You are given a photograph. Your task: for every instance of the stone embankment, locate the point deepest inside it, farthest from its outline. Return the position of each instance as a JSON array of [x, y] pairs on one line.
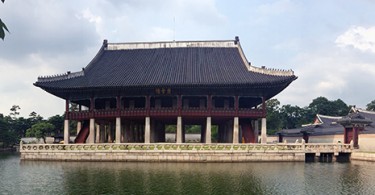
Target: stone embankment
[[363, 155]]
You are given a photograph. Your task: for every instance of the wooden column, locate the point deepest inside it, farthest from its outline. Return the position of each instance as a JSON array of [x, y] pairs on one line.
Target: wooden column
[[179, 104], [236, 104], [92, 104]]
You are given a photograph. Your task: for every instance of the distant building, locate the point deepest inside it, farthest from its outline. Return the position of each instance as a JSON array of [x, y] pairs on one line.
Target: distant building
[[328, 128], [129, 92]]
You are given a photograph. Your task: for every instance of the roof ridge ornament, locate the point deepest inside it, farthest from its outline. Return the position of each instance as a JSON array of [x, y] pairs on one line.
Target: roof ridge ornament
[[270, 71], [263, 69], [58, 77]]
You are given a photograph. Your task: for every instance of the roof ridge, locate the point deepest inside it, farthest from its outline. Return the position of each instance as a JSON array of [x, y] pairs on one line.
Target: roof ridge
[[365, 111], [171, 44], [330, 117]]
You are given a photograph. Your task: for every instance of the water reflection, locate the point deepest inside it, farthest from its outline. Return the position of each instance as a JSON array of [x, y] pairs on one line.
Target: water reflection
[[42, 177], [161, 178]]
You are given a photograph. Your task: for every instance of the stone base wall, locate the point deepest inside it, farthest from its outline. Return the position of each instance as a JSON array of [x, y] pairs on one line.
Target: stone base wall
[[366, 142], [366, 156], [157, 156]]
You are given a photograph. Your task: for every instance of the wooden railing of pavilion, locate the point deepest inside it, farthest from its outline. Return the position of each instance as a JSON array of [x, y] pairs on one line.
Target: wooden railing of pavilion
[[165, 112]]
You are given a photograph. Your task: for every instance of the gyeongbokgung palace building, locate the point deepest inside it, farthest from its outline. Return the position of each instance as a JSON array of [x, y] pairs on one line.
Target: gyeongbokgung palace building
[[130, 92]]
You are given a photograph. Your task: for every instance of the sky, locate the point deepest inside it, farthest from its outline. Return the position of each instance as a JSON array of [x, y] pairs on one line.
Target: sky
[[330, 45]]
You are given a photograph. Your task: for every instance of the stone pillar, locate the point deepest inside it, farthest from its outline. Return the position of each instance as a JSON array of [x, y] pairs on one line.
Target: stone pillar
[[79, 126], [92, 131], [208, 130], [179, 130], [235, 130], [118, 130], [147, 130], [102, 133], [264, 131], [109, 132], [256, 130], [66, 132], [97, 135]]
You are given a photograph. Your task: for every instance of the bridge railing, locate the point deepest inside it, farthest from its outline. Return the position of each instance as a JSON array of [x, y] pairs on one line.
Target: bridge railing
[[187, 147]]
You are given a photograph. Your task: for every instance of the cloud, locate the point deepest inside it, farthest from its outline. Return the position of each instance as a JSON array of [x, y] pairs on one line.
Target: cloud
[[332, 73], [358, 37]]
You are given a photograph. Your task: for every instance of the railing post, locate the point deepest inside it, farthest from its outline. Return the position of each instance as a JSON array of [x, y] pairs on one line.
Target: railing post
[[303, 145]]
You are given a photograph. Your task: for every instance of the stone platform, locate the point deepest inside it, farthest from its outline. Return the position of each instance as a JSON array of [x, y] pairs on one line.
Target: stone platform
[[164, 152]]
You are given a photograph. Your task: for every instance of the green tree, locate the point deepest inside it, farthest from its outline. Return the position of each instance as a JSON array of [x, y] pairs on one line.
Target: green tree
[[40, 130], [371, 106], [58, 122], [14, 111], [274, 122], [19, 126], [294, 116], [35, 118], [322, 105], [3, 27], [7, 136], [340, 108]]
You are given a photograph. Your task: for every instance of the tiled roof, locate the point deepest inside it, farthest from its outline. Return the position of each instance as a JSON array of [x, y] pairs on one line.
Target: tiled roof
[[174, 64], [329, 125]]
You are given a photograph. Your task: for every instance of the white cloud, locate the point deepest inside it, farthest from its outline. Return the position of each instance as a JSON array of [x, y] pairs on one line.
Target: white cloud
[[331, 73], [358, 37], [87, 14]]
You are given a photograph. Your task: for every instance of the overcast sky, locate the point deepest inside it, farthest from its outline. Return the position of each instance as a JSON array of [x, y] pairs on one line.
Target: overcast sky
[[330, 45]]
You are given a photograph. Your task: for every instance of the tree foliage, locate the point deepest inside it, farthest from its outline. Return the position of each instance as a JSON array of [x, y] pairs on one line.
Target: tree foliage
[[40, 130], [58, 122], [274, 122], [3, 27], [13, 128], [289, 117], [371, 106], [322, 105]]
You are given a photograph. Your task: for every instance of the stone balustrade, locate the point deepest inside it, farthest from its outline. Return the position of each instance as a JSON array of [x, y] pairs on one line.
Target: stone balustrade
[[171, 152]]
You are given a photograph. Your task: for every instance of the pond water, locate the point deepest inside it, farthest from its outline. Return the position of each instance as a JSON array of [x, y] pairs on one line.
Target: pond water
[[46, 177]]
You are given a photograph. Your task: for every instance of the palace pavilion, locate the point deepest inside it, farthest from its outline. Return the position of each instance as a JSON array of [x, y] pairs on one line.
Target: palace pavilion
[[130, 92]]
